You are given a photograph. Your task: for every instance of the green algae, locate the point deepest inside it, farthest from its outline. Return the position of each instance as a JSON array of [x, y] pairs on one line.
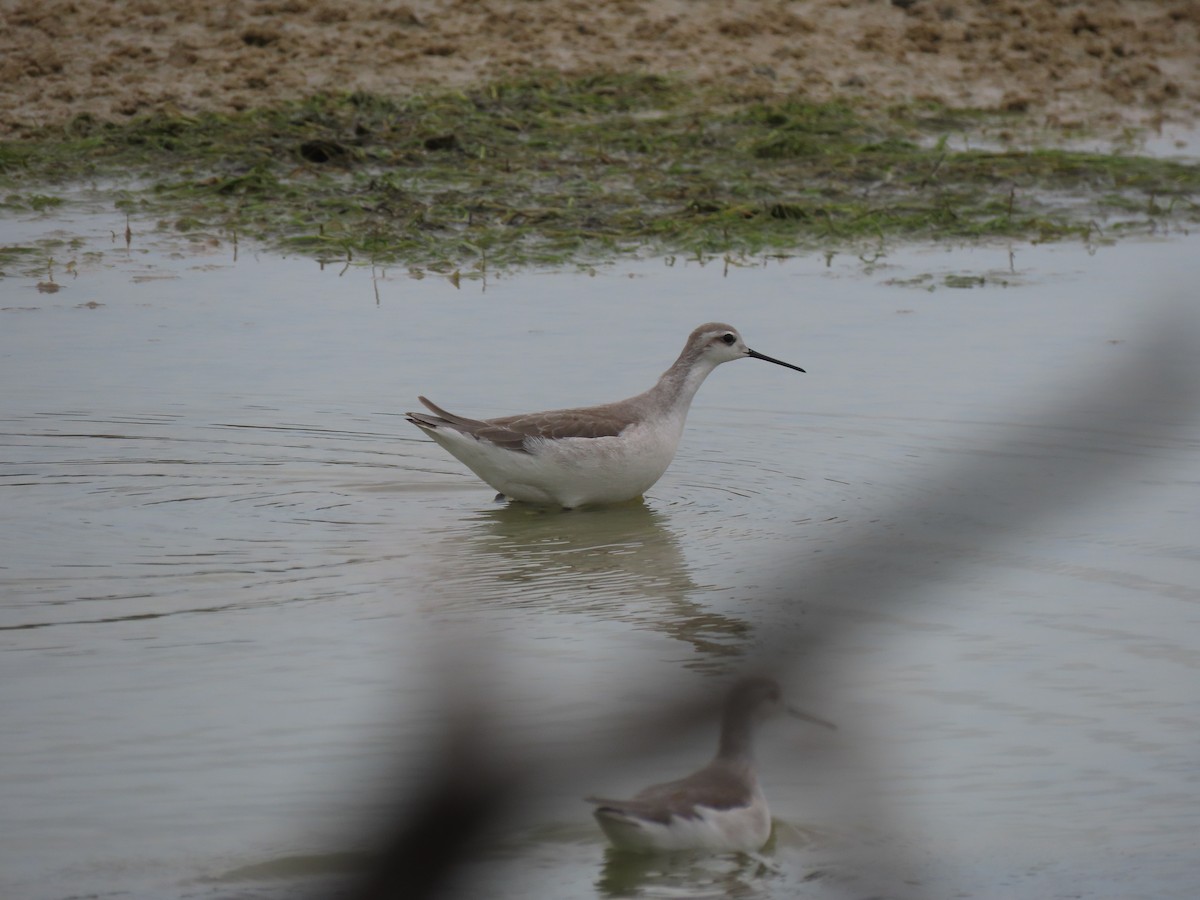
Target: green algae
[[553, 170]]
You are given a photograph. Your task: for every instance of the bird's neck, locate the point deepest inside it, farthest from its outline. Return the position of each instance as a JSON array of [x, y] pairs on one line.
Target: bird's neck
[[678, 385], [737, 739]]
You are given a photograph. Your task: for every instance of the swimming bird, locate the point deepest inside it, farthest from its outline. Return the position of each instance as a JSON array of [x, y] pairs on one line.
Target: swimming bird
[[590, 454], [720, 808]]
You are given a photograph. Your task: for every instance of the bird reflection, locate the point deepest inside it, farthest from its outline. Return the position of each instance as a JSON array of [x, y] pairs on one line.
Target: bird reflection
[[622, 563], [626, 874]]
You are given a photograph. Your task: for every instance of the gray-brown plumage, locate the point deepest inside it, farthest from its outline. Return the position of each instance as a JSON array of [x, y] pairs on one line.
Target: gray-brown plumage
[[511, 432]]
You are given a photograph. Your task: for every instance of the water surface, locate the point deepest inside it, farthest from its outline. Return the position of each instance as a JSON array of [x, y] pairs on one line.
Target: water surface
[[235, 581]]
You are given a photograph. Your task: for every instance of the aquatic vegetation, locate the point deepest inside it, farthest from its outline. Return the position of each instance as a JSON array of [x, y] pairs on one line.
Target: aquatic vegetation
[[551, 170]]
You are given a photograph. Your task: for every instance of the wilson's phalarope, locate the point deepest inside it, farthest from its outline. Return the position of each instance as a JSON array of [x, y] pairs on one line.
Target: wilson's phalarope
[[720, 808], [592, 454]]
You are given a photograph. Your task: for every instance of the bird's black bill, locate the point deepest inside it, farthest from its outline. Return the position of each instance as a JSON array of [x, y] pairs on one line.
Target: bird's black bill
[[809, 717], [778, 362]]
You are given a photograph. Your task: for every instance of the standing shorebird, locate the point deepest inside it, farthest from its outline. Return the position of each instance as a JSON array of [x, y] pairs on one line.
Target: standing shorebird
[[590, 454], [720, 808]]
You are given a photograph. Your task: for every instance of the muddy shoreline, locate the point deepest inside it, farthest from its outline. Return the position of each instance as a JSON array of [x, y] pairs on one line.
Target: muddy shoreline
[[1093, 65]]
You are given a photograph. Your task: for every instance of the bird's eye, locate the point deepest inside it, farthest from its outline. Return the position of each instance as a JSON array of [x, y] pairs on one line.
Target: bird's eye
[[728, 338]]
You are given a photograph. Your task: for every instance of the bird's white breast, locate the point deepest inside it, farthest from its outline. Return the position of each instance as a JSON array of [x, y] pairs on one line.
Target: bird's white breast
[[744, 829], [578, 471]]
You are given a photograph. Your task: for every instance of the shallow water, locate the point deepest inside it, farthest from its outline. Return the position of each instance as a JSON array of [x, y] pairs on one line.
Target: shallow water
[[235, 580]]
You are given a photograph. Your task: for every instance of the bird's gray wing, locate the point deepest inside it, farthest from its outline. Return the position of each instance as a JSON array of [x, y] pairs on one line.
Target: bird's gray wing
[[661, 802], [511, 432]]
